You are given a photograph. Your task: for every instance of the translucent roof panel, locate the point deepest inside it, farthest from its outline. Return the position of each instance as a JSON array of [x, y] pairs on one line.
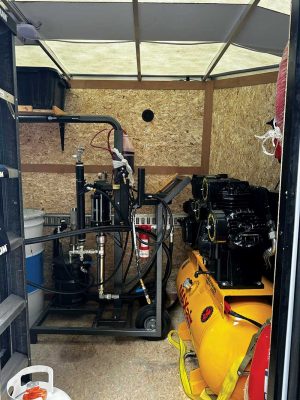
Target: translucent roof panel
[[282, 6], [174, 59], [100, 58], [194, 59], [178, 37], [158, 22], [236, 59], [32, 56], [276, 5]]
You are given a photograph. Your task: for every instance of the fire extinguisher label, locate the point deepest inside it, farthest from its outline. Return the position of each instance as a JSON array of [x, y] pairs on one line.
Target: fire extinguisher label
[[144, 250], [144, 253]]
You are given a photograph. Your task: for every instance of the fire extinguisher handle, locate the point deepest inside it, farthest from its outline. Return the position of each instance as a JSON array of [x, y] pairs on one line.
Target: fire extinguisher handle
[[16, 384]]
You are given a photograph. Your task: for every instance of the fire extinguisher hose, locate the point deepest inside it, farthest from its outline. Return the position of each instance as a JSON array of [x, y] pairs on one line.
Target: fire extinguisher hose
[[229, 382]]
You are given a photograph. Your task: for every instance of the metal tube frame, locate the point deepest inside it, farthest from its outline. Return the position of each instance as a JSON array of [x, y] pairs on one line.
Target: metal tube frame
[[119, 197]]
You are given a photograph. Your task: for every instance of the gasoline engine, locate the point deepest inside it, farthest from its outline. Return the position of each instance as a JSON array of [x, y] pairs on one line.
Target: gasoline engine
[[226, 298]]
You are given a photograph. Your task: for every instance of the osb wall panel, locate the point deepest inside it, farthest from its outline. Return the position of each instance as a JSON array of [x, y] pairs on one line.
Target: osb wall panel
[[173, 138], [55, 193], [238, 115]]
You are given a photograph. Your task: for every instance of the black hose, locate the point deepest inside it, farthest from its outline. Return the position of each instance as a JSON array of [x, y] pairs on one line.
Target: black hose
[[170, 260], [50, 290], [146, 268], [237, 315], [46, 238], [168, 210], [130, 259]]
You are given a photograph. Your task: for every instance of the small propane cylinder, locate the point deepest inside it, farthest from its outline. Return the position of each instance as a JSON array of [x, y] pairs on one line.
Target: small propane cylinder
[[34, 390]]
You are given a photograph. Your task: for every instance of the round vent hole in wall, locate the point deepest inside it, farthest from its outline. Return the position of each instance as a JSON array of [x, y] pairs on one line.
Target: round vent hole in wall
[[148, 115]]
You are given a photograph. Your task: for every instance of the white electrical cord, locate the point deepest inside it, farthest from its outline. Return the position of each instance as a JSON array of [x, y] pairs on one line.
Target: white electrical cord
[[122, 162], [271, 134]]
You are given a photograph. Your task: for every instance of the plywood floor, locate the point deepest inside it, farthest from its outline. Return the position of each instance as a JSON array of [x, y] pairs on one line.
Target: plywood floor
[[104, 368]]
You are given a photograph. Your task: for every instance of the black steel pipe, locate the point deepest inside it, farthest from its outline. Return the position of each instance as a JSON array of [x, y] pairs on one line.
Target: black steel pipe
[[75, 119], [141, 187], [80, 199]]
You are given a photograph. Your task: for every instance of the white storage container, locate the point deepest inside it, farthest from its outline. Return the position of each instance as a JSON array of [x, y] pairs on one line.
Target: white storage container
[[33, 226]]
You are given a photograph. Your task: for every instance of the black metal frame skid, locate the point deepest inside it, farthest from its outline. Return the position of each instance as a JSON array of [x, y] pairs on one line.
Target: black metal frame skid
[[115, 326]]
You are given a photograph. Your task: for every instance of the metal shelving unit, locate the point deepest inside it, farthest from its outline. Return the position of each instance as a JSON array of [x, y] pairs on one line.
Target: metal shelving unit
[[14, 338]]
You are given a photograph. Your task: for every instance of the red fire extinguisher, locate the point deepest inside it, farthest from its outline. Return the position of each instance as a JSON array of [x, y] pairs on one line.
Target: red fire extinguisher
[[144, 250]]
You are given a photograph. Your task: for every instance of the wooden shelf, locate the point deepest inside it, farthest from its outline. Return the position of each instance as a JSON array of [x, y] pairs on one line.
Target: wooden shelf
[[29, 110]]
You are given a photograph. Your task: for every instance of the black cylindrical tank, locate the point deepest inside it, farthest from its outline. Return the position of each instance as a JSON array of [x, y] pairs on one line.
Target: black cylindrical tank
[[69, 277]]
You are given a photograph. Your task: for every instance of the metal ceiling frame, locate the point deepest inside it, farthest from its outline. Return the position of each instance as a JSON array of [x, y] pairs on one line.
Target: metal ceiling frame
[[180, 77], [135, 6], [236, 28], [20, 17]]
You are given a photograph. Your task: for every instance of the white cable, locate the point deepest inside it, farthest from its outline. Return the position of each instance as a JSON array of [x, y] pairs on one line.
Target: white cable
[[122, 162], [272, 134]]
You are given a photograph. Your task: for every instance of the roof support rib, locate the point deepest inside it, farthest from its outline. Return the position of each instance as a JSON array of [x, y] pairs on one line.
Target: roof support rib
[[231, 35], [135, 6], [54, 58], [20, 17]]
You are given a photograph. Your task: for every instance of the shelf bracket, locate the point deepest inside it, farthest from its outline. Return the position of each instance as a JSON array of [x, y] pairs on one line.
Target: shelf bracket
[[62, 128]]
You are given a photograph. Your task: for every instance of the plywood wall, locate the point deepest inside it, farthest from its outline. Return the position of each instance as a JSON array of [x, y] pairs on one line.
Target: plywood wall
[[238, 115], [173, 139]]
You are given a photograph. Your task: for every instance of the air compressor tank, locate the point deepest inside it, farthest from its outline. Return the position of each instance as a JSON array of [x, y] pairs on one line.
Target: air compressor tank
[[218, 339]]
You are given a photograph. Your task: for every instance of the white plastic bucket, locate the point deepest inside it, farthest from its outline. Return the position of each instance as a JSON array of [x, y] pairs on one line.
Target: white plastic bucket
[[33, 226]]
